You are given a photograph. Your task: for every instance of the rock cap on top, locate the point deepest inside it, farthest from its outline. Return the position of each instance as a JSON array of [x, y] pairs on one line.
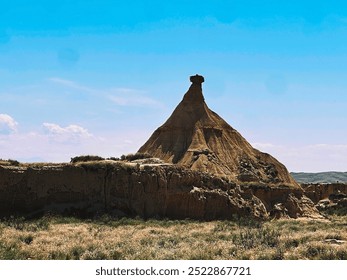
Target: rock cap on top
[[197, 79]]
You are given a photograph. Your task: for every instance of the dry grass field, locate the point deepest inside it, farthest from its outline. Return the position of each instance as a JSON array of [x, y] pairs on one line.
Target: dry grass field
[[106, 238]]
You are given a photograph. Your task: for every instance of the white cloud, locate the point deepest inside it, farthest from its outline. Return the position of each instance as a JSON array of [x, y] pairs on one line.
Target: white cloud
[[7, 124], [65, 134]]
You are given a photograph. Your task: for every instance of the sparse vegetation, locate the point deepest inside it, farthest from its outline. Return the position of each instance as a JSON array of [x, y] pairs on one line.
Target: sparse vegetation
[[13, 162], [338, 210], [86, 158], [9, 162], [113, 158], [58, 237], [131, 157]]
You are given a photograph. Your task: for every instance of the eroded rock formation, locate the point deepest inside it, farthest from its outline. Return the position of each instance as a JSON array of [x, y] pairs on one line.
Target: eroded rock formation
[[317, 192], [203, 169], [197, 138], [146, 190], [327, 196]]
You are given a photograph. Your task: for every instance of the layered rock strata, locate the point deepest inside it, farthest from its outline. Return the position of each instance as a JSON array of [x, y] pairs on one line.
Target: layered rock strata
[[327, 196], [141, 190], [199, 139]]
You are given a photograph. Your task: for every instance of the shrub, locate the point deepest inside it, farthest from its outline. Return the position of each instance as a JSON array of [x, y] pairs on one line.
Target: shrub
[[22, 224], [27, 239], [11, 252], [131, 157], [86, 158], [325, 252], [17, 223], [337, 210], [251, 238], [13, 162], [113, 158], [9, 162]]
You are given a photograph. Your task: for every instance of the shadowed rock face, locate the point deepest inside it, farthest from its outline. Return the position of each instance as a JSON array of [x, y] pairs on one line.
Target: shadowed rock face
[[197, 138], [317, 192], [327, 196], [141, 190]]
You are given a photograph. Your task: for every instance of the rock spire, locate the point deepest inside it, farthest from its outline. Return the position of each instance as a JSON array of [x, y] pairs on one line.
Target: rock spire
[[197, 138]]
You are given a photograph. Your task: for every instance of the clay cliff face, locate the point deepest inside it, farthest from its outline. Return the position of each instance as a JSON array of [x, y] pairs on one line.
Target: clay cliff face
[[317, 192], [328, 196], [141, 190], [197, 138]]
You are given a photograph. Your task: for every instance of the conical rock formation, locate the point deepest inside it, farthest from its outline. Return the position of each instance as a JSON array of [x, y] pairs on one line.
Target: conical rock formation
[[197, 138]]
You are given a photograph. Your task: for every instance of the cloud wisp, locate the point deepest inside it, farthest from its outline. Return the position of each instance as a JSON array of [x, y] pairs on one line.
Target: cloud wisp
[[72, 85], [130, 97], [124, 97], [7, 124], [70, 133]]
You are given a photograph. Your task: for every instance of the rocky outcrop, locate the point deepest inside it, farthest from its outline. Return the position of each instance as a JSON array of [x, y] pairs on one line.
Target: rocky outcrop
[[317, 192], [327, 196], [146, 190]]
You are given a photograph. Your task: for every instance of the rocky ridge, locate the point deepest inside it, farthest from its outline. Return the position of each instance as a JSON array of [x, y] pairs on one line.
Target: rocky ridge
[[140, 189]]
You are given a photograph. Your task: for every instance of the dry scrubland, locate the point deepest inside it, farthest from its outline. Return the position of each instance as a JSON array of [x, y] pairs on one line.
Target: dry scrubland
[[106, 238]]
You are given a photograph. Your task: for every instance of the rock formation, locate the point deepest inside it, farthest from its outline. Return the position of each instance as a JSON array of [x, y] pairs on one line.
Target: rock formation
[[327, 196], [197, 138], [146, 190], [317, 192], [202, 169]]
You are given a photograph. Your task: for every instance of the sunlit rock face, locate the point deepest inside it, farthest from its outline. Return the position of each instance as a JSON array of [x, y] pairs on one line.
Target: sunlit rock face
[[197, 138]]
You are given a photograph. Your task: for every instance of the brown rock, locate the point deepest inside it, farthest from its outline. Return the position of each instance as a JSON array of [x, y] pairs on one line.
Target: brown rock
[[146, 190], [124, 189], [197, 138], [317, 192], [327, 196]]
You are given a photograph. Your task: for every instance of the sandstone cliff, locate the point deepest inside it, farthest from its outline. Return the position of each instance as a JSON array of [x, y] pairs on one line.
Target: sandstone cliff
[[317, 192], [328, 196], [146, 190]]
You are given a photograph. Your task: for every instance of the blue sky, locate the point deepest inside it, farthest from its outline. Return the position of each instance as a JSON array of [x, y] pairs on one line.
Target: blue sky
[[97, 77]]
